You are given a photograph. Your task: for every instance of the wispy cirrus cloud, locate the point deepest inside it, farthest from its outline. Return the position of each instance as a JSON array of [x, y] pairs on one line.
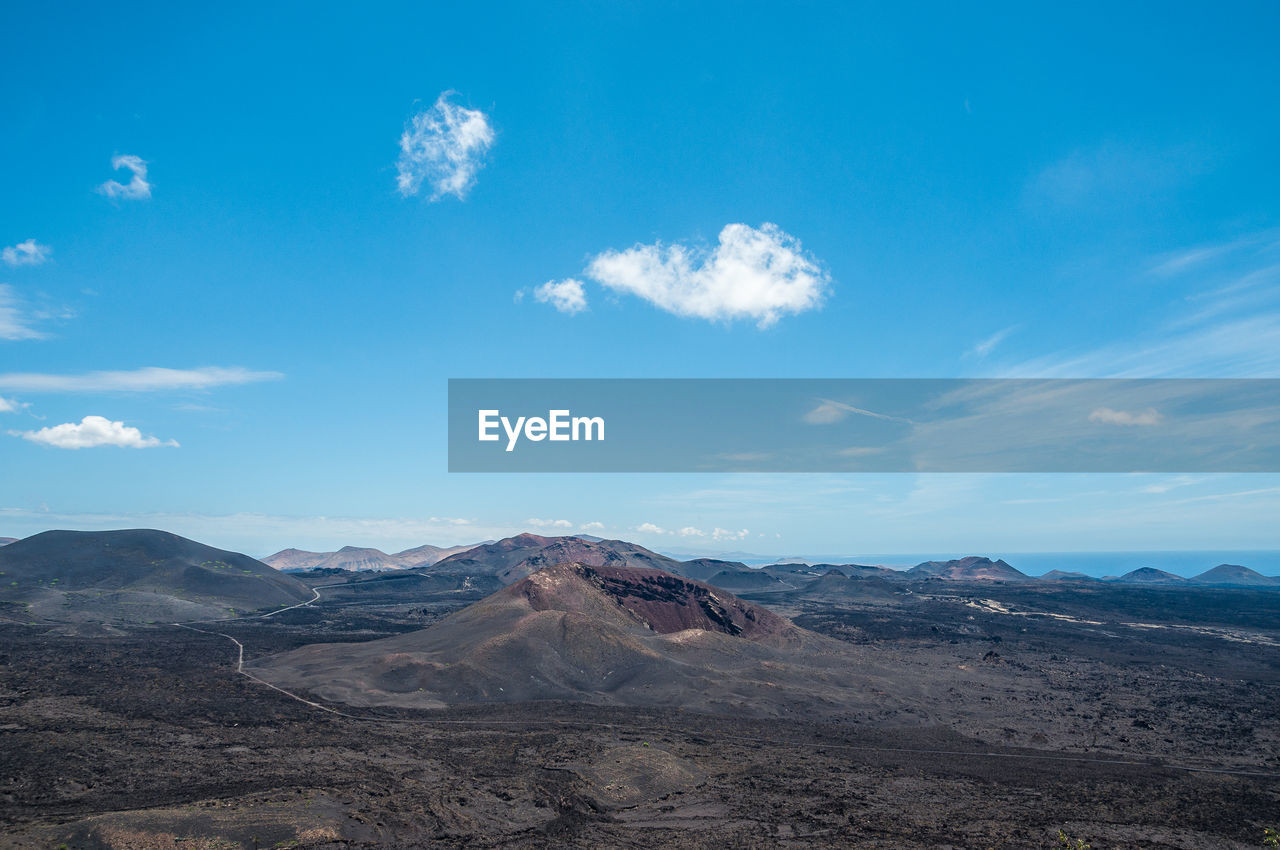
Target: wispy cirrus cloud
[[26, 253], [985, 346], [443, 147], [1228, 326], [757, 274], [15, 322], [148, 379], [93, 432], [137, 189]]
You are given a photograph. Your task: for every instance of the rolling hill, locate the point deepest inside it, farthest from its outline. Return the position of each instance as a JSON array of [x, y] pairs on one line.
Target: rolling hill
[[1150, 575], [614, 634], [136, 575], [972, 568], [1234, 575]]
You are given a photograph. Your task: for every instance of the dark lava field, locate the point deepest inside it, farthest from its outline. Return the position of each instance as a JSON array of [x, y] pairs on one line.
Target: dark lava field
[[1124, 717]]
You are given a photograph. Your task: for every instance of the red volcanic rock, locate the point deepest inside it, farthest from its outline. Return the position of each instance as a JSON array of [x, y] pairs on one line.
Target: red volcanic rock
[[663, 602]]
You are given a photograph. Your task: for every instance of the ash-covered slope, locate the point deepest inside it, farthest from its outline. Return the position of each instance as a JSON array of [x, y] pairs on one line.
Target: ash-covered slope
[[138, 574], [616, 635]]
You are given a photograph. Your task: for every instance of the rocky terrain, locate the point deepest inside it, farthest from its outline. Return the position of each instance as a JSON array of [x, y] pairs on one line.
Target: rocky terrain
[[979, 714]]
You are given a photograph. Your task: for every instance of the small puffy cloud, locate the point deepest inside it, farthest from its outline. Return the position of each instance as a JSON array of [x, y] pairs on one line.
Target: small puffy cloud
[[760, 274], [90, 432], [148, 379], [593, 526], [690, 531], [8, 405], [566, 295], [650, 528], [14, 322], [1145, 418], [137, 189], [28, 253], [443, 147], [549, 523], [725, 534]]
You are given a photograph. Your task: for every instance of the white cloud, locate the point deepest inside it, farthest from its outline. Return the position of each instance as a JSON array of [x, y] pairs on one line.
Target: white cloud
[[593, 526], [28, 253], [725, 534], [760, 274], [690, 531], [8, 405], [148, 379], [90, 432], [444, 147], [14, 323], [566, 295], [650, 528], [986, 346], [548, 523], [137, 189], [1107, 416]]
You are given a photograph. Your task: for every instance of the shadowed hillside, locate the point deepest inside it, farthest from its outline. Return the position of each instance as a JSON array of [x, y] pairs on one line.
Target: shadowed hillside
[[135, 575]]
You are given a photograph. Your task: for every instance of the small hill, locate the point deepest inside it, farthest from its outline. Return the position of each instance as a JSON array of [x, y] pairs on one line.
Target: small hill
[[1065, 575], [425, 556], [137, 575], [702, 569], [972, 568], [5, 541], [858, 570], [615, 635], [1150, 575], [513, 558], [836, 585], [295, 559], [1234, 575], [747, 581]]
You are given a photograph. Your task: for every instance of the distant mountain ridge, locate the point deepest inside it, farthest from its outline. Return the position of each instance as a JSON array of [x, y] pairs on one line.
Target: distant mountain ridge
[[354, 558]]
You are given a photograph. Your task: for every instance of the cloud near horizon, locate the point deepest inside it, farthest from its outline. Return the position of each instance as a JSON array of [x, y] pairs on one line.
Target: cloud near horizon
[[27, 253], [92, 432], [444, 147], [759, 274], [137, 189], [147, 379]]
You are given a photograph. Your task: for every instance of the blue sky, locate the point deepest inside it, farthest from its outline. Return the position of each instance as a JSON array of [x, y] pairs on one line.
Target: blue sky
[[1015, 192]]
